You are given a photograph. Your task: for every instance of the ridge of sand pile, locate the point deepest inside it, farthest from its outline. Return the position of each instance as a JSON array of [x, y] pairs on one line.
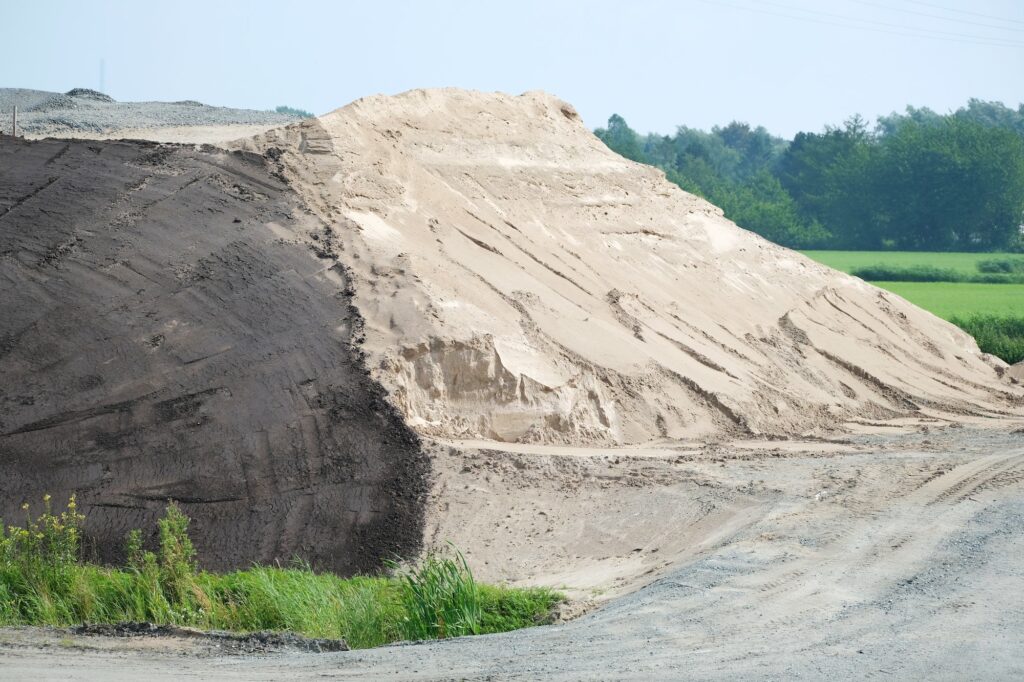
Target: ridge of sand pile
[[521, 282]]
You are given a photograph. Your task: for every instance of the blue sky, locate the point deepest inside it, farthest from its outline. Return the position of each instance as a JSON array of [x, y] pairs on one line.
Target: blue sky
[[786, 64]]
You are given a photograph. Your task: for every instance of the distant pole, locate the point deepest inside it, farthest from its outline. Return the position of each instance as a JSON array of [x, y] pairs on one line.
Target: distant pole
[[103, 75], [14, 124]]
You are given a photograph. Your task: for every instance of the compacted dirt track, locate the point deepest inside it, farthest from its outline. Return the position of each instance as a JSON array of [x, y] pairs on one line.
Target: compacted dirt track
[[897, 559]]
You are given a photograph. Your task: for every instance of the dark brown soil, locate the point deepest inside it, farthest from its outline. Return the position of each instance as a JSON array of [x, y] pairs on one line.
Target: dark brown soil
[[224, 642], [166, 332]]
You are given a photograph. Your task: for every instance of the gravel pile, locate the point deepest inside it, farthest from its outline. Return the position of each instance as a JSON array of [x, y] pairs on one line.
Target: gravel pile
[[54, 103], [81, 109]]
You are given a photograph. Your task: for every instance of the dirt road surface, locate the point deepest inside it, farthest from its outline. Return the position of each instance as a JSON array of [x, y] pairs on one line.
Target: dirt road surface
[[897, 559]]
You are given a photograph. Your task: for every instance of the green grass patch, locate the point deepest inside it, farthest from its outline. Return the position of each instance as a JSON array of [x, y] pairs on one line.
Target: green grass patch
[[913, 273], [923, 266], [965, 263], [982, 293], [1001, 336], [43, 581], [949, 299]]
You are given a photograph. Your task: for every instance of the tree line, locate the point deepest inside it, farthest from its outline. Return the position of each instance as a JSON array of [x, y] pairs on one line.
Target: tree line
[[914, 181]]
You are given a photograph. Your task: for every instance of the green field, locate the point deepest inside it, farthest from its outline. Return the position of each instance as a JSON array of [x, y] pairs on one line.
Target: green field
[[993, 313], [945, 299], [846, 261], [949, 299]]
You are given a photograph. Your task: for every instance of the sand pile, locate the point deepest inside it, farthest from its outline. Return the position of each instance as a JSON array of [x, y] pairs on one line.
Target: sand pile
[[521, 282]]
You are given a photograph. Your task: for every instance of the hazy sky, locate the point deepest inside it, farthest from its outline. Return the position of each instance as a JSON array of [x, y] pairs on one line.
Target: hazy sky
[[786, 64]]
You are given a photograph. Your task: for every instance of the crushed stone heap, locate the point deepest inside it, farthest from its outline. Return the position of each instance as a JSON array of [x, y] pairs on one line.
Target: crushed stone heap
[[82, 112], [521, 282]]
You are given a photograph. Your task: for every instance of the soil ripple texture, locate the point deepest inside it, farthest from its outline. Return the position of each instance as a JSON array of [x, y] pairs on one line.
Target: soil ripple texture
[[166, 332]]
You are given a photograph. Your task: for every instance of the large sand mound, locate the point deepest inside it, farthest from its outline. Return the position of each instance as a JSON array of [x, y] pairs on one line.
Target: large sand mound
[[521, 282]]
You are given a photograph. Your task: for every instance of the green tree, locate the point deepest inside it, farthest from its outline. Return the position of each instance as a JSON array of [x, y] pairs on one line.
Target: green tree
[[621, 139], [830, 177], [958, 184]]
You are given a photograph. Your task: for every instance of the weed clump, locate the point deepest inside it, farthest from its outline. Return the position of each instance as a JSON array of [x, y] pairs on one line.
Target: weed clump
[[440, 599], [44, 581], [1002, 336]]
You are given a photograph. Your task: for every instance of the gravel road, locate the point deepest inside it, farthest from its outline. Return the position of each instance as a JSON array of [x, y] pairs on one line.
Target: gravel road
[[902, 562]]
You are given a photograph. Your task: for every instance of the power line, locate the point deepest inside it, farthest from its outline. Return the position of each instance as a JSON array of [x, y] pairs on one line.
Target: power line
[[964, 11], [936, 16], [969, 40], [900, 27]]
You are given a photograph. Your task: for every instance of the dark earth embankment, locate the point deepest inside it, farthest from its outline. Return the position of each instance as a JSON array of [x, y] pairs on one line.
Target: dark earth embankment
[[167, 333]]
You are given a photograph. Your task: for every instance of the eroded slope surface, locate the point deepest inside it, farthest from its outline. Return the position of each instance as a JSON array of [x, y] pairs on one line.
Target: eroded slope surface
[[166, 332], [521, 282]]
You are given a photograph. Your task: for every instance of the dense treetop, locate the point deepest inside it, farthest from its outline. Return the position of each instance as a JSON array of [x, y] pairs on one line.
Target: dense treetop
[[914, 181]]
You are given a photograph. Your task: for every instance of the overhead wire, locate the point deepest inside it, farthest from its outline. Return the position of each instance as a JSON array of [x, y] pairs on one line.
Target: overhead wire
[[964, 11], [845, 23], [902, 27], [937, 16]]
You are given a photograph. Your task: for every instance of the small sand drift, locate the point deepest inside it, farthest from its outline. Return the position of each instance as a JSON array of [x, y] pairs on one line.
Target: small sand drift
[[521, 282]]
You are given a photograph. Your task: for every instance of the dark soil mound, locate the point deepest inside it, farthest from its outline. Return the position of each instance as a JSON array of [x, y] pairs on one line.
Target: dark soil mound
[[166, 333]]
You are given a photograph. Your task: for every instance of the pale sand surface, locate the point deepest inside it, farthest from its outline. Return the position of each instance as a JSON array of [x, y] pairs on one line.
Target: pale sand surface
[[520, 282]]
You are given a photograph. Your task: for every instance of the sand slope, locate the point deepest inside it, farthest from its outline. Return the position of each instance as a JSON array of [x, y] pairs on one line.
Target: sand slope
[[521, 282]]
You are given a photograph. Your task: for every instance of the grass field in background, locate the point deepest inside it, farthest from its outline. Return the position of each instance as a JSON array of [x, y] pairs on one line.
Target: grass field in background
[[945, 299], [950, 299], [993, 313], [846, 261]]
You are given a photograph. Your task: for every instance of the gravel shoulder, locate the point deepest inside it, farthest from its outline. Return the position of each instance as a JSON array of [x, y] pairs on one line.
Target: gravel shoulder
[[897, 560]]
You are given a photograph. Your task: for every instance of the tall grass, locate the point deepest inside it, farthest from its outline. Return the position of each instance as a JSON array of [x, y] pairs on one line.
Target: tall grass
[[44, 582], [927, 273], [1002, 336], [440, 598]]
